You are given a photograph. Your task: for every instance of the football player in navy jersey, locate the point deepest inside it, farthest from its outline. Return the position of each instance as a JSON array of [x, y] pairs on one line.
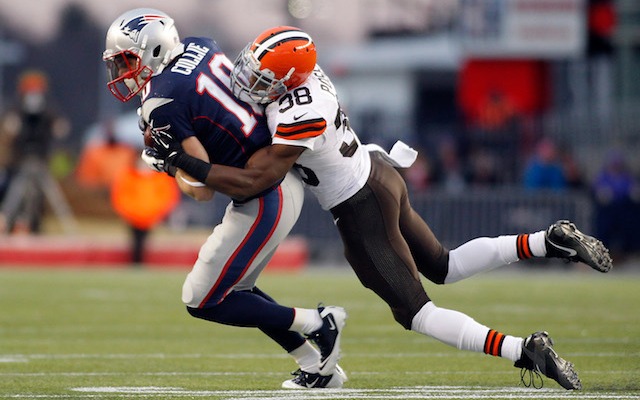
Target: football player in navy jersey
[[386, 242], [184, 88]]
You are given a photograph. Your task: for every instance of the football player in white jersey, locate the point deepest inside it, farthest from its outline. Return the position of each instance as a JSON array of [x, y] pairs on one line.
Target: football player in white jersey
[[386, 242]]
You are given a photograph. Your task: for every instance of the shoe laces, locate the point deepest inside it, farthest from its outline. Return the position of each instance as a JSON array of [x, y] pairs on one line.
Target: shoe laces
[[299, 377], [531, 378]]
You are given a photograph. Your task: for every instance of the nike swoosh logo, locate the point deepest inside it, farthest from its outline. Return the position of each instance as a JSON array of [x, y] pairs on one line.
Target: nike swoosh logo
[[322, 365], [332, 323], [297, 117], [312, 383], [335, 221], [165, 145], [571, 252]]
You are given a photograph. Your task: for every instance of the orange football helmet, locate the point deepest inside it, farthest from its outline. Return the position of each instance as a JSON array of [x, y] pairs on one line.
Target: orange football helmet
[[279, 59]]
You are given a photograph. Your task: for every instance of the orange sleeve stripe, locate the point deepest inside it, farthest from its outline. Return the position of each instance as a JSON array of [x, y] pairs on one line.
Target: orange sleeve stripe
[[312, 124], [301, 130], [299, 136]]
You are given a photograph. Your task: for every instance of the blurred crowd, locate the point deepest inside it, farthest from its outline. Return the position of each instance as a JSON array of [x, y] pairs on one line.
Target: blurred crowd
[[496, 150], [32, 134], [29, 131], [500, 150]]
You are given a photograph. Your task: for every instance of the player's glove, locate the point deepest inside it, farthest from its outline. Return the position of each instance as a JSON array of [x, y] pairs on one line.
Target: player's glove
[[168, 149], [164, 143], [156, 162]]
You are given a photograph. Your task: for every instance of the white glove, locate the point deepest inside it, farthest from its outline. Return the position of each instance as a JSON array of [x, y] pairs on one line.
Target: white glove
[[151, 157]]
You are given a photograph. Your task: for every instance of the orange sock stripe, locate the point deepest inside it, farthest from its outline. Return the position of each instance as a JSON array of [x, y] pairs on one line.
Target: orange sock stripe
[[525, 246], [489, 339], [493, 343], [522, 245], [497, 344]]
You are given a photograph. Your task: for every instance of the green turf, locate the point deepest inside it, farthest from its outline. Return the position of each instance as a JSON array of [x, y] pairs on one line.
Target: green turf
[[61, 330]]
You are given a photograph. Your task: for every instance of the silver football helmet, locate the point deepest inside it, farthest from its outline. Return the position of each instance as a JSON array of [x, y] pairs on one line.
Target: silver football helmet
[[139, 45]]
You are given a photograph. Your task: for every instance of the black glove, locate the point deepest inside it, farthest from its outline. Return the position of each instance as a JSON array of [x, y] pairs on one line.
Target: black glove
[[169, 149], [165, 144]]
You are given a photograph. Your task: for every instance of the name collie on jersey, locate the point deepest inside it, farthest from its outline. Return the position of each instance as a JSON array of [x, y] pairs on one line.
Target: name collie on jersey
[[190, 59]]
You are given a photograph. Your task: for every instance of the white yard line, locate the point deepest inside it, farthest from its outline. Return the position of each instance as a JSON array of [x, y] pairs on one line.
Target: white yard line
[[420, 392], [399, 393]]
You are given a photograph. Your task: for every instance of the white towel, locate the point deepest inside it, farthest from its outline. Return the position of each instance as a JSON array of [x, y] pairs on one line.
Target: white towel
[[400, 156]]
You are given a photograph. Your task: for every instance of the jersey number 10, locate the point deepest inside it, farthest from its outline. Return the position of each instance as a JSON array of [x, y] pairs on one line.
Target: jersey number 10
[[220, 68]]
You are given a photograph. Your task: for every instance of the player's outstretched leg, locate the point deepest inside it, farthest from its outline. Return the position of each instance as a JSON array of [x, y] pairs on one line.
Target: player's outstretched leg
[[327, 338], [305, 380], [564, 240], [538, 356]]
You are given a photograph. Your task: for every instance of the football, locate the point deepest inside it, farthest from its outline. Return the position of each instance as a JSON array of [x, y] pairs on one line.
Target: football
[[148, 140]]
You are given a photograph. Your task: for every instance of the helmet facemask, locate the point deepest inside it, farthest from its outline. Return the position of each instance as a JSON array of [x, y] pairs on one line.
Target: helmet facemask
[[127, 75], [252, 84]]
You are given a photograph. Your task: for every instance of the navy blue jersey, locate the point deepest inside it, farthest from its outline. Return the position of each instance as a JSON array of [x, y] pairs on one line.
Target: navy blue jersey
[[191, 97]]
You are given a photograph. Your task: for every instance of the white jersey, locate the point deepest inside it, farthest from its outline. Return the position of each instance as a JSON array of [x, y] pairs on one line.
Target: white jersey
[[334, 165]]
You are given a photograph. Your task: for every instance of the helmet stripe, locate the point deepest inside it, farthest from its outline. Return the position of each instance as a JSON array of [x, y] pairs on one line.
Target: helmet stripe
[[267, 37], [281, 37]]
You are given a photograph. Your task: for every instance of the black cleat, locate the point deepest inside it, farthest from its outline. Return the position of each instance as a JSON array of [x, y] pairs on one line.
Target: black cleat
[[305, 380], [539, 357], [327, 338], [564, 240]]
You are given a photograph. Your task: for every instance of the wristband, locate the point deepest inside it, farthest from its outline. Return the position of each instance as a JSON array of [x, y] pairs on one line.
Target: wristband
[[193, 166]]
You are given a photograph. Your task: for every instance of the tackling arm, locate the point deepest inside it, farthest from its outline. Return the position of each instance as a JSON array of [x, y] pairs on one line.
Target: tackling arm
[[264, 169]]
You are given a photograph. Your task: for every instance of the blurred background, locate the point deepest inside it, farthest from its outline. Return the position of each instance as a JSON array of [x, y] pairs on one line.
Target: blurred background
[[523, 111]]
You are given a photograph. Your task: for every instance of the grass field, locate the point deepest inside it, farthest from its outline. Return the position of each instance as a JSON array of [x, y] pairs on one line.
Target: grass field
[[124, 334]]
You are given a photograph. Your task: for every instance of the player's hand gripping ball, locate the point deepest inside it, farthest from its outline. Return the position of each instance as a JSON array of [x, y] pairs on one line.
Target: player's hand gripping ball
[[148, 140]]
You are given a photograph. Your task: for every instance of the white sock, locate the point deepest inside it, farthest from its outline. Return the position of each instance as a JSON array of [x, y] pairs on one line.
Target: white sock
[[307, 358], [450, 327], [306, 320], [481, 254], [537, 244], [463, 332], [512, 347]]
